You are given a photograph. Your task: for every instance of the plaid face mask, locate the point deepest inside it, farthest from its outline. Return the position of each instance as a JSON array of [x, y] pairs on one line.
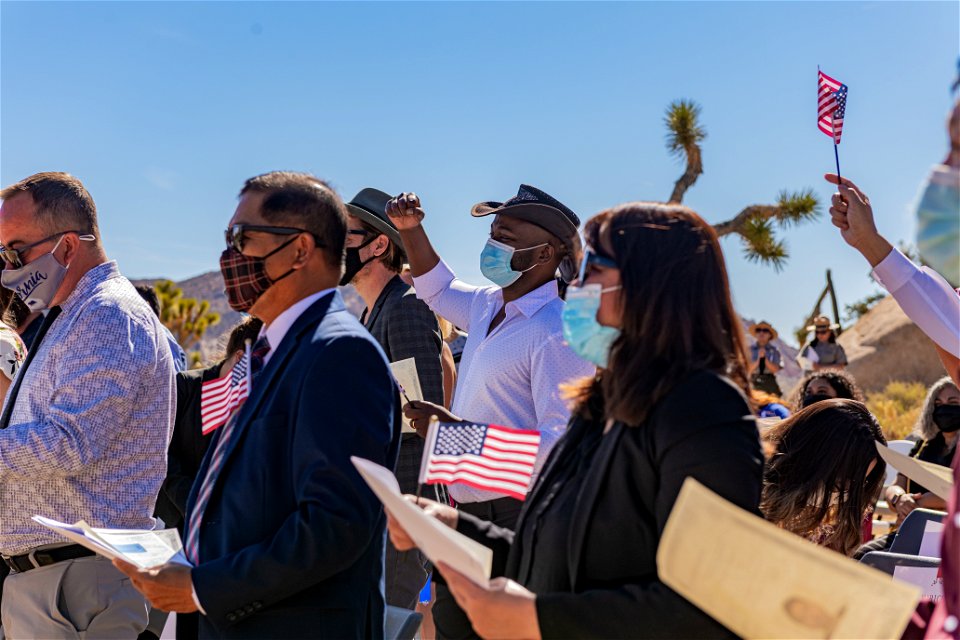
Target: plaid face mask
[[245, 277]]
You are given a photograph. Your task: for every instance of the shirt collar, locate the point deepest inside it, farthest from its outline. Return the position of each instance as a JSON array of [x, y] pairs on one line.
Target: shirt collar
[[532, 302], [278, 329], [89, 282]]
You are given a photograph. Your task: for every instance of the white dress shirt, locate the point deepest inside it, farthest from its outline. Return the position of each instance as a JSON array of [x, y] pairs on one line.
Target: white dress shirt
[[276, 330], [927, 299], [511, 377]]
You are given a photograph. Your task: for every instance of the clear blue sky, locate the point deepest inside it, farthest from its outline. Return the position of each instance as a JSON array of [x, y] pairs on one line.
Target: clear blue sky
[[163, 109]]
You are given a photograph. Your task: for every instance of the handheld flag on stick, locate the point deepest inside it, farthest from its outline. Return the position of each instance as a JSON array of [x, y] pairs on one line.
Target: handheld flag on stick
[[482, 456], [221, 397], [831, 105]]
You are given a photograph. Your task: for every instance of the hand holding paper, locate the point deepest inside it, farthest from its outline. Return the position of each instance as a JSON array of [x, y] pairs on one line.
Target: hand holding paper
[[938, 480], [144, 549], [763, 582], [438, 542]]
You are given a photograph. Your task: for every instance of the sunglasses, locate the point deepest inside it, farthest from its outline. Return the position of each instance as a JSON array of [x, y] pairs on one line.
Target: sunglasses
[[823, 331], [592, 257], [761, 330], [14, 257], [236, 235]]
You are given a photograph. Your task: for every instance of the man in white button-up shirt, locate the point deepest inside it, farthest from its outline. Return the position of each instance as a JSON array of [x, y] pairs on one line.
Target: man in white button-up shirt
[[515, 358]]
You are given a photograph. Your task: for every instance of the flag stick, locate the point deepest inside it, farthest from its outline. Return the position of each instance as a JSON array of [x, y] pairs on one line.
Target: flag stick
[[836, 156]]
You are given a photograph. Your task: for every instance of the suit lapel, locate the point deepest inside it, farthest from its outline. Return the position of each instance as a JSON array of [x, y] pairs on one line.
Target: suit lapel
[[588, 497], [288, 346]]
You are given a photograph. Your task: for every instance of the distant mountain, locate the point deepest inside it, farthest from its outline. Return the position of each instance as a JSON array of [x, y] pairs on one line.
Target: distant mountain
[[209, 287]]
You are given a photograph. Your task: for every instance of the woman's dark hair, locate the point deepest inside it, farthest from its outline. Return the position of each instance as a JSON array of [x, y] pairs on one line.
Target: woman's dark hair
[[677, 314], [842, 382], [246, 329], [821, 450]]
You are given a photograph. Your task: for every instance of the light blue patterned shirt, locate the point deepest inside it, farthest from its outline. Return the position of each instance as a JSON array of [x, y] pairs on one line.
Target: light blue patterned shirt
[[89, 431]]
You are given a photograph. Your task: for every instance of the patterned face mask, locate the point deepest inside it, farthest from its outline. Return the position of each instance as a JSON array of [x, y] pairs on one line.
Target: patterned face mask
[[245, 277]]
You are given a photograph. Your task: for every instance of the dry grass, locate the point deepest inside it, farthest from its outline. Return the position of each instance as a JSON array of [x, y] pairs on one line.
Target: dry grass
[[897, 407]]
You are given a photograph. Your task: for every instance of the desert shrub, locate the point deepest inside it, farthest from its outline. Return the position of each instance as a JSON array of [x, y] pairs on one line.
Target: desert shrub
[[897, 407]]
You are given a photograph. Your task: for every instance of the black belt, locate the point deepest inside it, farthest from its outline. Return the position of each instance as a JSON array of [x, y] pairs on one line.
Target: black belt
[[43, 557]]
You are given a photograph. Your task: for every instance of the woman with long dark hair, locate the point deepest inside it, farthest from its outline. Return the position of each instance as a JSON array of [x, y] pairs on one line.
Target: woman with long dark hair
[[825, 474], [652, 310]]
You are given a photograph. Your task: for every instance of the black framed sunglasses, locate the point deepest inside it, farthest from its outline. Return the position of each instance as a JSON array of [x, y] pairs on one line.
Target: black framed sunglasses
[[14, 257], [235, 235], [592, 257]]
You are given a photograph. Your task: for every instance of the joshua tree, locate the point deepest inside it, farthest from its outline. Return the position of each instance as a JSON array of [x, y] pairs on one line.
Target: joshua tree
[[187, 318], [756, 224]]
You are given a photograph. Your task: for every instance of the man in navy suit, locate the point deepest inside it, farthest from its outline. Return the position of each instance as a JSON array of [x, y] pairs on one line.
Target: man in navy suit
[[285, 538]]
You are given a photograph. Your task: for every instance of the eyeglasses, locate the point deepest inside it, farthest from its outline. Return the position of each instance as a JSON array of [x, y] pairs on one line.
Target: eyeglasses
[[819, 331], [14, 257], [592, 257], [236, 235]]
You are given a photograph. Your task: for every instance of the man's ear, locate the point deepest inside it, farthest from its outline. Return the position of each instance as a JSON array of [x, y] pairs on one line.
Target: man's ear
[[304, 244], [380, 245]]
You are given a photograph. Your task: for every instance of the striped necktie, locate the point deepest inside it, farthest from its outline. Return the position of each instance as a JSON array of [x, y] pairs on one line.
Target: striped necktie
[[192, 547]]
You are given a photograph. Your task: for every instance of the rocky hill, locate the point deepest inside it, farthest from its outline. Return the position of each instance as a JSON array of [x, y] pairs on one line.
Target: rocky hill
[[884, 345], [209, 286]]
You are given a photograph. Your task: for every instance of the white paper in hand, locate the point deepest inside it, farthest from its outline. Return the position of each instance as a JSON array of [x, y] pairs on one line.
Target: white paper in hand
[[437, 541], [143, 548], [407, 377], [938, 480]]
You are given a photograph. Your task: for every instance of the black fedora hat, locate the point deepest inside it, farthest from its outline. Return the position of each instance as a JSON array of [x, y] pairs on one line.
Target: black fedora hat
[[540, 208], [370, 206]]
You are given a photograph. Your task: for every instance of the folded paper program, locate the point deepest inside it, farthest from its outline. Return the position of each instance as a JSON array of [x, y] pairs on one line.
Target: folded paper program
[[145, 549], [437, 541]]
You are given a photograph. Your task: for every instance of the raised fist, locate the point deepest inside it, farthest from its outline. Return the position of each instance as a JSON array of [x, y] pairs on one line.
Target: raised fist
[[404, 211]]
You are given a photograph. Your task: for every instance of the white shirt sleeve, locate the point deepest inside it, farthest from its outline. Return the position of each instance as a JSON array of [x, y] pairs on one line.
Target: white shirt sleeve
[[196, 600], [446, 295], [927, 299]]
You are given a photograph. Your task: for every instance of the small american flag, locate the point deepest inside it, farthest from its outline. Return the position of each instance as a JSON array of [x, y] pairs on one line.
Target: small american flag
[[221, 397], [831, 104], [482, 456]]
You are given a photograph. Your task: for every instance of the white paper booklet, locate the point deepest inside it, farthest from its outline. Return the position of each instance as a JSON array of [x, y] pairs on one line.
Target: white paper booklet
[[405, 373], [145, 549], [437, 541]]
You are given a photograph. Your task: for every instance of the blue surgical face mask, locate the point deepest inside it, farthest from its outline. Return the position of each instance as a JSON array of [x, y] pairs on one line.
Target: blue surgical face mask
[[938, 224], [495, 263], [588, 338]]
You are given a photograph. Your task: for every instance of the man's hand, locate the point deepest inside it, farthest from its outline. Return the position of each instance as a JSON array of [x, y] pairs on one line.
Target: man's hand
[[398, 535], [850, 211], [419, 413], [500, 609], [168, 588], [404, 211]]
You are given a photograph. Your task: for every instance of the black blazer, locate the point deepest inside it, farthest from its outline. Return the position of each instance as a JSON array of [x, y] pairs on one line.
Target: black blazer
[[292, 540], [187, 447], [702, 429]]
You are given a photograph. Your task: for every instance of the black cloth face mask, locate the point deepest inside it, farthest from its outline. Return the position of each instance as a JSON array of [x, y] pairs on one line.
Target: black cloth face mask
[[947, 417], [812, 398], [352, 263]]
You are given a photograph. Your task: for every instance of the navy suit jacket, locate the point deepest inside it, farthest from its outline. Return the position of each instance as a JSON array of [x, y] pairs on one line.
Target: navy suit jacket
[[291, 541]]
